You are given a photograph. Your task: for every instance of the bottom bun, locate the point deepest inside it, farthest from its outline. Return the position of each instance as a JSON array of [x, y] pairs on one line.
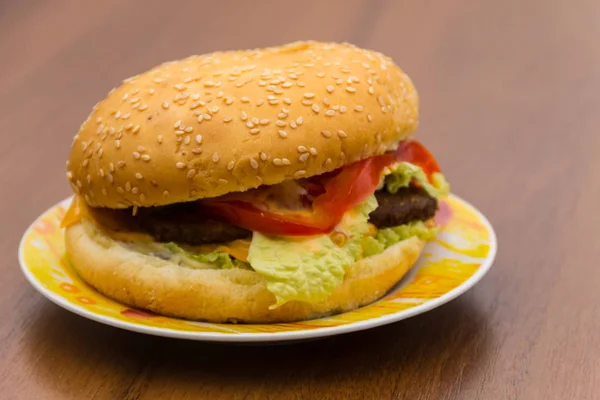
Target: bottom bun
[[221, 295]]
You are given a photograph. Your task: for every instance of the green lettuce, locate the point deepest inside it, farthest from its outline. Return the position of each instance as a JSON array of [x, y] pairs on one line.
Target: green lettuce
[[372, 245], [404, 172], [219, 259], [310, 268]]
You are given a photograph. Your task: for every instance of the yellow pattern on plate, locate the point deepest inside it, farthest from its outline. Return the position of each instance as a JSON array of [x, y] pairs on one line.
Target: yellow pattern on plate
[[449, 261]]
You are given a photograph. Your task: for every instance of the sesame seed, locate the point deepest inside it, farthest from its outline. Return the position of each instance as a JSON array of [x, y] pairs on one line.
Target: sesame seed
[[321, 75], [215, 157], [207, 117], [159, 139], [230, 165], [138, 176], [254, 131], [254, 120], [129, 126], [158, 80], [177, 124], [136, 155], [259, 102], [180, 165], [313, 151], [128, 186], [229, 101], [350, 89], [214, 110], [244, 99], [263, 156], [142, 197], [200, 118], [253, 163], [135, 190], [343, 109], [145, 157], [120, 190], [180, 87], [315, 108], [299, 173], [285, 161], [280, 123], [199, 139], [303, 157], [282, 115], [179, 132], [88, 178], [287, 101], [79, 183], [249, 124], [121, 164], [264, 122], [287, 85], [220, 94], [166, 193], [135, 129], [277, 161], [301, 84], [142, 107], [209, 84], [371, 90], [262, 83], [381, 101], [299, 120], [358, 108], [309, 95], [151, 91], [227, 118], [302, 149], [187, 140], [243, 116], [293, 76], [191, 173], [189, 129], [293, 125], [165, 105], [330, 113], [327, 134], [328, 161], [369, 117], [342, 134], [306, 102], [330, 89], [197, 150], [339, 81], [136, 105], [326, 101]]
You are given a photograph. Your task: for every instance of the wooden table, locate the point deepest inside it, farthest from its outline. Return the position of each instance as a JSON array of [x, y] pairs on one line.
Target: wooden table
[[511, 107]]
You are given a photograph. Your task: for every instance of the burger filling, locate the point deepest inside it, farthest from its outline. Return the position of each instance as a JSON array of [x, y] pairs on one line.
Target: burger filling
[[299, 235]]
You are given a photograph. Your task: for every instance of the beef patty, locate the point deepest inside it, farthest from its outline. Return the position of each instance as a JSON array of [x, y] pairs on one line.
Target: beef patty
[[406, 205], [183, 223]]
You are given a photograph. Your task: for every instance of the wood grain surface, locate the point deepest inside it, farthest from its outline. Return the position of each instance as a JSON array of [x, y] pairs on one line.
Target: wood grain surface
[[510, 105]]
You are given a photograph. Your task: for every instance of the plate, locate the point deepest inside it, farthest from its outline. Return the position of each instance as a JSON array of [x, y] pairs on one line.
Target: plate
[[452, 263]]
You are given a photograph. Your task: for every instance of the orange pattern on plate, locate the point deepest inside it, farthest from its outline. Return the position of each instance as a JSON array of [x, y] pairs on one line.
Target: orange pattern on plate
[[465, 241]]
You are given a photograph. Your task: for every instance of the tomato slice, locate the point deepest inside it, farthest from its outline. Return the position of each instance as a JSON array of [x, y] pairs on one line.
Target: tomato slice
[[334, 194], [342, 192], [415, 153]]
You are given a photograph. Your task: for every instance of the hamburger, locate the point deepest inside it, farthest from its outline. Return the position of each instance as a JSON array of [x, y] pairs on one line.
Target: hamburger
[[258, 186]]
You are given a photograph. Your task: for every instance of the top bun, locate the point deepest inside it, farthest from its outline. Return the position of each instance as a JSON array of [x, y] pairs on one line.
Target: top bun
[[231, 121]]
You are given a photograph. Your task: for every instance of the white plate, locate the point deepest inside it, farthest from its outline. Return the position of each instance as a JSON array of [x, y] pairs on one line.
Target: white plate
[[455, 261]]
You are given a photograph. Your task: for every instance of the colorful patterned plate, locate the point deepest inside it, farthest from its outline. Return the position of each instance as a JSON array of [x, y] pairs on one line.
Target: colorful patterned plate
[[456, 260]]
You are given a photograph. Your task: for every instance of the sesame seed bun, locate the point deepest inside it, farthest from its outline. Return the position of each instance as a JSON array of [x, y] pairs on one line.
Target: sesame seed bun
[[230, 121], [221, 295]]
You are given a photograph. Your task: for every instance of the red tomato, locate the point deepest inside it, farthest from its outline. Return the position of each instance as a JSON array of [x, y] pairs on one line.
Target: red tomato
[[343, 192], [334, 194], [415, 153]]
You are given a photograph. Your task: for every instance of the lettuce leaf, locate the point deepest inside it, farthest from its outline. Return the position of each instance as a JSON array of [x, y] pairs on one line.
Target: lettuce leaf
[[390, 236], [403, 173], [310, 268], [220, 259]]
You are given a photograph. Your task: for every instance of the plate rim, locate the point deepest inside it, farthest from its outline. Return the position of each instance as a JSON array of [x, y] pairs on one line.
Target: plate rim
[[246, 337]]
